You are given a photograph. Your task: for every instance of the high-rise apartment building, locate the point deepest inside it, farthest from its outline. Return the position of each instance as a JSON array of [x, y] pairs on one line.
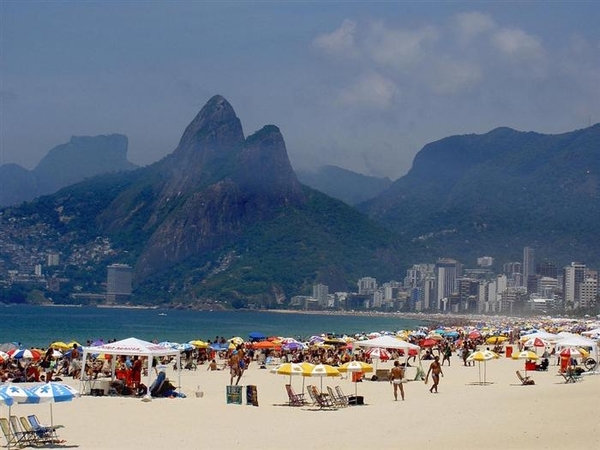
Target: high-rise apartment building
[[573, 276], [367, 285], [118, 283], [446, 273], [528, 265]]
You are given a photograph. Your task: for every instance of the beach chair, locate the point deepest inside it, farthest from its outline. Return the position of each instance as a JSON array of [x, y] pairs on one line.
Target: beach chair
[[337, 400], [524, 380], [40, 434], [22, 436], [293, 398], [571, 376], [12, 440], [322, 399], [341, 394]]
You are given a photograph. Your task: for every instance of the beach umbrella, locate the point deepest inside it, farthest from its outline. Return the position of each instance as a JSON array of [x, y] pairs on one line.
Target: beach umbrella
[[378, 353], [475, 334], [199, 344], [60, 345], [19, 394], [537, 342], [6, 399], [7, 346], [236, 340], [266, 345], [356, 366], [482, 356], [25, 354], [428, 342], [4, 357], [256, 336], [527, 355], [321, 371], [493, 340], [570, 352], [54, 393], [185, 347], [292, 346]]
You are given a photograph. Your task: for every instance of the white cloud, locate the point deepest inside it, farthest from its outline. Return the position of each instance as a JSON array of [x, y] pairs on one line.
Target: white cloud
[[399, 48], [340, 42], [372, 91], [516, 43], [472, 24], [452, 76]]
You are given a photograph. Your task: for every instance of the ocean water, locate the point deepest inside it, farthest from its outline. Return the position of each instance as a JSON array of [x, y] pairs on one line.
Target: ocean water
[[37, 326]]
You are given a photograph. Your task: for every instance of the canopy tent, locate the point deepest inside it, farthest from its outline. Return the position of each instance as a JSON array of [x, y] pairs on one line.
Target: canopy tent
[[574, 340], [387, 342], [134, 347]]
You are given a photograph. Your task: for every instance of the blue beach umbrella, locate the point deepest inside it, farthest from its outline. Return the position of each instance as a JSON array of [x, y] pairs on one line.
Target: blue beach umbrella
[[19, 394], [54, 393], [6, 399]]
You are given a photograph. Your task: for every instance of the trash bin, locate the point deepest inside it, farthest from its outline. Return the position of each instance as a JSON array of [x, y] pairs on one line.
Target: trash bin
[[509, 350]]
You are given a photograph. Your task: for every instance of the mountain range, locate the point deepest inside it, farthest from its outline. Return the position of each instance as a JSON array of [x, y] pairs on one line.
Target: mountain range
[[495, 193], [65, 164], [224, 217]]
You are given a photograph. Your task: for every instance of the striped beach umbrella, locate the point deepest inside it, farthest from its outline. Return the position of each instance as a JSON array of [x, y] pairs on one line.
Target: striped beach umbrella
[[25, 354]]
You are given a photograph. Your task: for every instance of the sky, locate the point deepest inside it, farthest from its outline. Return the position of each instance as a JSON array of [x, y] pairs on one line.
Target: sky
[[359, 85]]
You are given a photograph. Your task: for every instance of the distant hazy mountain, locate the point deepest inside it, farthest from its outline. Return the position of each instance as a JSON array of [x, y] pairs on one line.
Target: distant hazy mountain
[[494, 193], [223, 217], [350, 187], [65, 164]]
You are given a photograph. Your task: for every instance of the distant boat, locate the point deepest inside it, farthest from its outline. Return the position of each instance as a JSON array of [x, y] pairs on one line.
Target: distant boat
[[162, 314]]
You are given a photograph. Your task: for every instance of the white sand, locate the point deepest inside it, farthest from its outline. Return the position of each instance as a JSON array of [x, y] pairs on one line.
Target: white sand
[[501, 415]]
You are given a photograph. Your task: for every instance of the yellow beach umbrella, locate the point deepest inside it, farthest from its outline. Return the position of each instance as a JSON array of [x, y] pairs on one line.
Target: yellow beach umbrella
[[322, 371], [60, 345], [492, 340], [483, 356], [356, 366], [198, 343], [525, 354]]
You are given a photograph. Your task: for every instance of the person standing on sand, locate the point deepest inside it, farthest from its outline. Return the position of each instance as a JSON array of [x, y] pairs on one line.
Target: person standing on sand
[[396, 378], [435, 369], [234, 367]]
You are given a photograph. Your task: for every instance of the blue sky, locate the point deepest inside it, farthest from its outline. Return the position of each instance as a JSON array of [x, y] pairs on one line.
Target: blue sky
[[361, 85]]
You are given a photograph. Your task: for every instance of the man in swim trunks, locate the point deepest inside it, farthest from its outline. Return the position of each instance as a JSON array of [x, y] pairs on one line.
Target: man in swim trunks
[[234, 367], [435, 369], [396, 378]]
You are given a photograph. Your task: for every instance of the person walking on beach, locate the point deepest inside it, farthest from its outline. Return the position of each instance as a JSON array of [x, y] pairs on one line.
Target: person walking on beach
[[435, 369], [234, 367], [396, 377], [447, 353]]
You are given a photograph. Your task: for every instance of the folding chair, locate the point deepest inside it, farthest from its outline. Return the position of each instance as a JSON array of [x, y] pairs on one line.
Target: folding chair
[[11, 439], [337, 400], [293, 398], [45, 432]]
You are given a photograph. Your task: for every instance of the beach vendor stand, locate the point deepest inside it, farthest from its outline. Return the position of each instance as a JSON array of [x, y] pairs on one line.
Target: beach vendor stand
[[132, 347]]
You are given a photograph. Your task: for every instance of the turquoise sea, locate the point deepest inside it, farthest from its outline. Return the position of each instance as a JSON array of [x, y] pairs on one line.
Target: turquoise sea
[[37, 326]]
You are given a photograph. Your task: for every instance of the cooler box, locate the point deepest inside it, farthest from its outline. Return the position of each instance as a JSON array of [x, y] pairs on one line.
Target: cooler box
[[509, 350], [234, 395]]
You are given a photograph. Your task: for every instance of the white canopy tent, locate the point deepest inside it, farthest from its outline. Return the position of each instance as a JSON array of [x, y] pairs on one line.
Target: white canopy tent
[[134, 347], [386, 341]]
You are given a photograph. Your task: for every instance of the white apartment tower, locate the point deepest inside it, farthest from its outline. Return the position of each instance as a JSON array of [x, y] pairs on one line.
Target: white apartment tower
[[574, 275]]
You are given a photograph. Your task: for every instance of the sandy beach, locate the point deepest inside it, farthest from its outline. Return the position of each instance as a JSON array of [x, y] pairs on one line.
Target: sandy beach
[[500, 415]]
